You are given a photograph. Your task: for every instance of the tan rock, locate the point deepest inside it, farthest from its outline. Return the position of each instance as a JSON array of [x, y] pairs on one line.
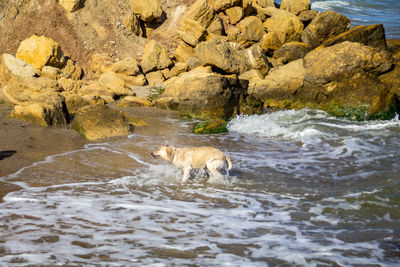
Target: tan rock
[[199, 92], [284, 24], [200, 12], [221, 5], [221, 54], [71, 70], [251, 31], [75, 102], [50, 72], [19, 90], [295, 6], [40, 51], [147, 10], [252, 76], [270, 42], [71, 5], [216, 27], [127, 66], [115, 83], [11, 66], [45, 113], [100, 121], [155, 57], [191, 32], [179, 68], [135, 101], [132, 81], [324, 26], [256, 59], [70, 86], [183, 52], [281, 83], [307, 16], [235, 14], [370, 35], [94, 91], [155, 78], [335, 62], [292, 51]]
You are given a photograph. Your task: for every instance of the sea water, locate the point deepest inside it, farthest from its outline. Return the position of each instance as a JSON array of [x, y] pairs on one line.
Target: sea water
[[306, 189]]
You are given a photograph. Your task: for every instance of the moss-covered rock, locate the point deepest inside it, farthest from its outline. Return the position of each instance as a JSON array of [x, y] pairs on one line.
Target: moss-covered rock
[[211, 126]]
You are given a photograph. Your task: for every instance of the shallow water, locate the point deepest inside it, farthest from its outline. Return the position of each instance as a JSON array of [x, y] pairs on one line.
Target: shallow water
[[365, 12], [306, 189]]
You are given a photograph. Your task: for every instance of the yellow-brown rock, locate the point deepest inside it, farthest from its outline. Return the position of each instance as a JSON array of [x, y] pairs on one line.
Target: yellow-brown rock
[[270, 42], [216, 27], [147, 10], [200, 12], [235, 14], [100, 121], [71, 5], [41, 51], [183, 52], [155, 57], [127, 66], [134, 24], [286, 25], [71, 70], [155, 78], [191, 32], [295, 6], [11, 66]]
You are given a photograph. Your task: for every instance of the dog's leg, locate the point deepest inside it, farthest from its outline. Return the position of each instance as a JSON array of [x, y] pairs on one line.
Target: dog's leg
[[213, 167], [186, 175]]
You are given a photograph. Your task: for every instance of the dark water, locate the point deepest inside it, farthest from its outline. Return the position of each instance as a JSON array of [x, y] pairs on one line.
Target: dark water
[[365, 12], [306, 189]]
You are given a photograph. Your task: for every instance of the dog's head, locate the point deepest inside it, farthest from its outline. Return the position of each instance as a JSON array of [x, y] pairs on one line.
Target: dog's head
[[164, 152]]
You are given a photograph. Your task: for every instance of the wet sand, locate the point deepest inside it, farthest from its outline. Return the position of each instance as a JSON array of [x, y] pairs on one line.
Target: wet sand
[[23, 143]]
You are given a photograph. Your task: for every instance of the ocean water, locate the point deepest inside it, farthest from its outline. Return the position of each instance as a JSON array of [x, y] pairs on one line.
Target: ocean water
[[365, 12], [306, 190]]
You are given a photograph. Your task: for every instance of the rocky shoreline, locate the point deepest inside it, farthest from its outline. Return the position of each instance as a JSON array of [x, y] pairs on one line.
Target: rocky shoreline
[[221, 58]]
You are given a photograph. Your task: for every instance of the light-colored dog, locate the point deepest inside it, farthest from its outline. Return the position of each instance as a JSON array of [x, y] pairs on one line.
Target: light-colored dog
[[208, 158]]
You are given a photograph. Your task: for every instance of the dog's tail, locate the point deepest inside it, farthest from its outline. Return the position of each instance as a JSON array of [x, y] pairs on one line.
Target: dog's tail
[[229, 162]]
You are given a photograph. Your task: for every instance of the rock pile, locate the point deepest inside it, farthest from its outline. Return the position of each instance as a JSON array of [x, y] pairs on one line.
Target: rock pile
[[233, 56]]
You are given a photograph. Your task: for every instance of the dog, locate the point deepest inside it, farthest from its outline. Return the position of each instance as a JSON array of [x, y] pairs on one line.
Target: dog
[[208, 158]]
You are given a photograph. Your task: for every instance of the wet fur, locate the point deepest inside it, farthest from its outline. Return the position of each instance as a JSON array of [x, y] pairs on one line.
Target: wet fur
[[208, 158]]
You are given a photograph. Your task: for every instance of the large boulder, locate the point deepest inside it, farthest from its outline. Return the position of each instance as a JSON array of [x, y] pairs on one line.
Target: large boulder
[[11, 66], [251, 30], [333, 63], [148, 10], [191, 32], [71, 5], [41, 51], [127, 66], [200, 92], [235, 14], [46, 110], [292, 51], [295, 6], [256, 59], [100, 121], [284, 24], [223, 55], [200, 12], [371, 35], [324, 26], [281, 83], [155, 57], [341, 79]]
